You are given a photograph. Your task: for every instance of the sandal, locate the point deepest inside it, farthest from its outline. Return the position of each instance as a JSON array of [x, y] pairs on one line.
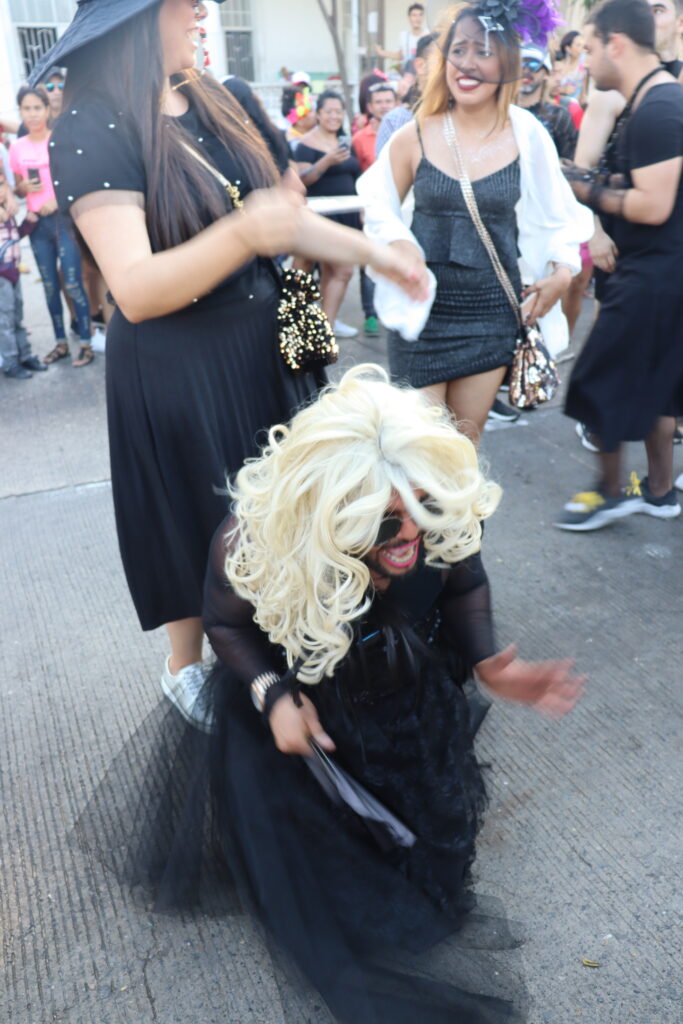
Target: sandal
[[85, 356], [60, 351]]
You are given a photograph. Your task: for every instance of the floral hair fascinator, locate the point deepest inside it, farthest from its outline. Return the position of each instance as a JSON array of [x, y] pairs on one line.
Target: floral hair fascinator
[[532, 20], [302, 106]]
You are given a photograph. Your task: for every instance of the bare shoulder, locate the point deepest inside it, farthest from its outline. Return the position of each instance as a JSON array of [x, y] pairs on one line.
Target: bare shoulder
[[404, 140], [606, 103]]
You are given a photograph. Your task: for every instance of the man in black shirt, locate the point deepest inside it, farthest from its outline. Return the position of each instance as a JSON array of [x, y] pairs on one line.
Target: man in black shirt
[[627, 384], [536, 67]]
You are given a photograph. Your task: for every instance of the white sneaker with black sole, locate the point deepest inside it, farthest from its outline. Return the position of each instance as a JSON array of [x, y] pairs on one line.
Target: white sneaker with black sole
[[502, 413], [585, 438], [187, 692]]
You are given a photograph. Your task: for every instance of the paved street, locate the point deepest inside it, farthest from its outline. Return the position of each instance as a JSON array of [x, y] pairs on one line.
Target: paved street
[[584, 837]]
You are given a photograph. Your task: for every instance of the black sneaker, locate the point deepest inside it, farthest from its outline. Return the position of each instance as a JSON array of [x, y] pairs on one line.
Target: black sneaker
[[33, 363], [502, 412], [591, 510], [18, 372], [664, 507]]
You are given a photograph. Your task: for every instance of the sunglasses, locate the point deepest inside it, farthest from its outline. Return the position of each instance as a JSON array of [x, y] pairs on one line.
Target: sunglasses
[[390, 527], [51, 86], [532, 64]]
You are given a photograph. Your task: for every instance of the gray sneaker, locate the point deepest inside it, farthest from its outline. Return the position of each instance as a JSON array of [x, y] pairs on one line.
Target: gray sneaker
[[665, 507], [187, 693]]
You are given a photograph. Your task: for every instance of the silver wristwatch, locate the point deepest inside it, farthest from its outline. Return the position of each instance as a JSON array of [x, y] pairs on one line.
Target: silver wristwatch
[[260, 687]]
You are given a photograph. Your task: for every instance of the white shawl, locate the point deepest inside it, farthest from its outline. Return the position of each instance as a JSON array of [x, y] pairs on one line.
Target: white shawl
[[551, 225]]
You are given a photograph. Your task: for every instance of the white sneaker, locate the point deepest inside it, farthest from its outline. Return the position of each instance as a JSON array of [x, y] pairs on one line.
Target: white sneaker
[[98, 340], [187, 693], [678, 482], [343, 330], [585, 438]]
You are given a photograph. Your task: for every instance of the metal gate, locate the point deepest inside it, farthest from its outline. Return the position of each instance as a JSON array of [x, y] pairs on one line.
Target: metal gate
[[238, 49], [34, 41]]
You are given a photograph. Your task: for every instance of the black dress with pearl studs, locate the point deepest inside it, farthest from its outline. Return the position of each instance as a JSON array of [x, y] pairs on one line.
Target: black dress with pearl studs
[[190, 395]]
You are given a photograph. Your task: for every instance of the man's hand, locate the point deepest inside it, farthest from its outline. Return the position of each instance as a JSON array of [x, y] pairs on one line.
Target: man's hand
[[293, 727], [549, 686], [603, 251]]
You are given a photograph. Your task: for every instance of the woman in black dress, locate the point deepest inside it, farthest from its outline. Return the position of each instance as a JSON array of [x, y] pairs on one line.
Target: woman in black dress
[[329, 168], [194, 372]]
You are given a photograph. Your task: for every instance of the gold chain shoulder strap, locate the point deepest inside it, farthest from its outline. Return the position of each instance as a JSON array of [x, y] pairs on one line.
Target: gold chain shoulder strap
[[232, 190], [471, 203]]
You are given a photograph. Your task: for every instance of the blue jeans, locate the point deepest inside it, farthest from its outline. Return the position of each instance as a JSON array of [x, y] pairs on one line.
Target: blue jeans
[[53, 240]]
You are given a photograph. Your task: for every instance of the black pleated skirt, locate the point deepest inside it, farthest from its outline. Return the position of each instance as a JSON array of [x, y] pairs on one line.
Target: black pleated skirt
[[630, 370], [189, 397]]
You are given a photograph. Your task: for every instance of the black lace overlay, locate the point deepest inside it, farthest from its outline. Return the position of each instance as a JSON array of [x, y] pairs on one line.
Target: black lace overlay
[[235, 825]]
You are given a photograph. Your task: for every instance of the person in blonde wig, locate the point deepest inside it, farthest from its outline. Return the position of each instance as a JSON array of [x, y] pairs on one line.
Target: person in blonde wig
[[467, 125], [347, 603], [308, 512]]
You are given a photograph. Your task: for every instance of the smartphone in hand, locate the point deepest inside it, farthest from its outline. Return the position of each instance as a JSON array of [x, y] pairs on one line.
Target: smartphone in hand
[[34, 175]]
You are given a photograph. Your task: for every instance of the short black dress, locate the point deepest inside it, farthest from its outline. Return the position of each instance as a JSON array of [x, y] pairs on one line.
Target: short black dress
[[630, 370], [471, 327], [223, 820], [338, 180], [189, 395]]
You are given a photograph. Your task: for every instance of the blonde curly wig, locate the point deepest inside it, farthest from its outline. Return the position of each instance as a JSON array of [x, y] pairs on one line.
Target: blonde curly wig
[[309, 509]]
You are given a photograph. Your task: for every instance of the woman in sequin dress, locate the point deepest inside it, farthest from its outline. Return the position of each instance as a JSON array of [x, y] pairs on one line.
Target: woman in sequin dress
[[463, 352]]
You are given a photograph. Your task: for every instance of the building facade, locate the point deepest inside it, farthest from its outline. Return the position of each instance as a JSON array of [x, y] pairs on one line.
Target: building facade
[[254, 39]]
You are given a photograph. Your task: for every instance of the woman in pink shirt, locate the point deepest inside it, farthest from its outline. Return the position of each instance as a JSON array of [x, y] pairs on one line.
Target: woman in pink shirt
[[53, 240]]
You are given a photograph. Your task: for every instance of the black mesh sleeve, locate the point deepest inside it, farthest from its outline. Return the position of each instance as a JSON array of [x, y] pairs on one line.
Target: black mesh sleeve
[[229, 620], [466, 612]]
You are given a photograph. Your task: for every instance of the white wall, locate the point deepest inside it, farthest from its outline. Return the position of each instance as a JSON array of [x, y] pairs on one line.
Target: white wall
[[10, 63], [291, 34]]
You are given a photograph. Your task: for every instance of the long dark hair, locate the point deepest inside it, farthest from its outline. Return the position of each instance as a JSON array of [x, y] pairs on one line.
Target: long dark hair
[[125, 70]]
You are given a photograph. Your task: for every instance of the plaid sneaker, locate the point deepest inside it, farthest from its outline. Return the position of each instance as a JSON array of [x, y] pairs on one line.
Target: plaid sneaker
[[591, 510], [664, 507], [187, 693]]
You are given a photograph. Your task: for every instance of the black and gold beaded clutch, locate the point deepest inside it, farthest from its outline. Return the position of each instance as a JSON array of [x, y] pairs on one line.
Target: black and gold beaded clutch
[[306, 338]]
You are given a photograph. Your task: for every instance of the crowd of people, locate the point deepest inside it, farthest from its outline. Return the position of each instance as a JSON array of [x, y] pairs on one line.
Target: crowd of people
[[339, 577]]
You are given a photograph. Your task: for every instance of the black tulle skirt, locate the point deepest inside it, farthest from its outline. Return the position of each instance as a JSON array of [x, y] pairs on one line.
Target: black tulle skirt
[[224, 823]]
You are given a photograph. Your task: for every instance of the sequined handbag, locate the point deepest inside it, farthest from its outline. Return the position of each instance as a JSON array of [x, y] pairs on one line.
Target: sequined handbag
[[305, 335], [533, 375]]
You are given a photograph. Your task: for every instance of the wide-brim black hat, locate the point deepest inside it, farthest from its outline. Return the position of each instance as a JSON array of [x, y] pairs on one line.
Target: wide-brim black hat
[[92, 20]]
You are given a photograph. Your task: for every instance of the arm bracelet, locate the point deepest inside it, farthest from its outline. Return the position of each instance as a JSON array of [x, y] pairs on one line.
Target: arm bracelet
[[260, 687]]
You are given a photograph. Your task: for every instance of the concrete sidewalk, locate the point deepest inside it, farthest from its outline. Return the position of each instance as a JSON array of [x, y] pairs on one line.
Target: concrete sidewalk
[[585, 830]]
